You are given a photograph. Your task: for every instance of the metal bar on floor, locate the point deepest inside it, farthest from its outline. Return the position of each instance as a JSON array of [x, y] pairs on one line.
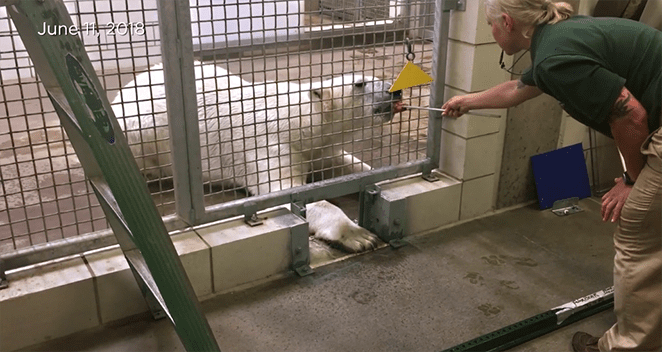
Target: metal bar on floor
[[541, 324], [73, 87]]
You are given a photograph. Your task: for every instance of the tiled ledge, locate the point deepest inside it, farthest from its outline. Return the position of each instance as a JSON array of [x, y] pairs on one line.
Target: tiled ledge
[[58, 298], [47, 301]]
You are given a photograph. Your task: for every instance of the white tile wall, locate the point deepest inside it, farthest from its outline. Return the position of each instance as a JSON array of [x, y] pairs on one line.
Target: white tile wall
[[459, 65], [118, 292], [486, 71], [467, 159], [468, 125], [59, 298], [473, 68], [481, 156], [453, 154], [472, 145], [46, 302], [470, 26], [242, 254], [477, 197], [196, 259]]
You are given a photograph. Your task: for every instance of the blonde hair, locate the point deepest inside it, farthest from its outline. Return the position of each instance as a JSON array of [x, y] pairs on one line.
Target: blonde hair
[[529, 13]]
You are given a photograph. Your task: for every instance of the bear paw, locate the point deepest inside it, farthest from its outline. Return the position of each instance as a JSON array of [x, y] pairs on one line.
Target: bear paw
[[329, 224], [351, 239]]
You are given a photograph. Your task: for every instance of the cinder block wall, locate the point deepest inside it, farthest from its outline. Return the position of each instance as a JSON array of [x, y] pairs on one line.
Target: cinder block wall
[[472, 145], [531, 128]]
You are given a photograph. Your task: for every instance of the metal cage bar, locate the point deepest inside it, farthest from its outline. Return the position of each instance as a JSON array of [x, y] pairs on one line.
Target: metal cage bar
[[182, 110], [441, 29]]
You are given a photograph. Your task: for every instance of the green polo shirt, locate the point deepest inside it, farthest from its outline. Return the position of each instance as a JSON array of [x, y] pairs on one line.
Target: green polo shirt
[[584, 62]]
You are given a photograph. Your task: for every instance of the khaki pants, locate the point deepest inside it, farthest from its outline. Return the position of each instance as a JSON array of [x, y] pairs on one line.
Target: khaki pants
[[638, 261]]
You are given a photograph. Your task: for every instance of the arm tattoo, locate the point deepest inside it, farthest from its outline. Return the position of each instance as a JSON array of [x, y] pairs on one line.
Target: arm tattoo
[[620, 108]]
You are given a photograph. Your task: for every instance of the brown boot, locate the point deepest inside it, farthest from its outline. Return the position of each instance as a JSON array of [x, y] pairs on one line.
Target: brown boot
[[583, 342]]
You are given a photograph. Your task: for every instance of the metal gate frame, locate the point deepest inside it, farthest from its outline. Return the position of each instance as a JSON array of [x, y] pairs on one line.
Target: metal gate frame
[[178, 53]]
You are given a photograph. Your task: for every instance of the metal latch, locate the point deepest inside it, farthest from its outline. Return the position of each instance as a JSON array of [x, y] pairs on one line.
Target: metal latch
[[566, 206]]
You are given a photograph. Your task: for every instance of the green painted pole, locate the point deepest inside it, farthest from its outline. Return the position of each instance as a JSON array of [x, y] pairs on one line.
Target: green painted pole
[[539, 325]]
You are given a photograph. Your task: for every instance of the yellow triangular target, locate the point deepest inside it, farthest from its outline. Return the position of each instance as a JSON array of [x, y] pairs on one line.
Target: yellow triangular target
[[410, 76]]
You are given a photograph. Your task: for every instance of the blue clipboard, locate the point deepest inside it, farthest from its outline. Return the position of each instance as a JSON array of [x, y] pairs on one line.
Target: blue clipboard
[[560, 174]]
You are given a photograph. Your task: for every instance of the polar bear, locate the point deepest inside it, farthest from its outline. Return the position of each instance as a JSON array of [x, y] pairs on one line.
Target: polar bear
[[264, 137]]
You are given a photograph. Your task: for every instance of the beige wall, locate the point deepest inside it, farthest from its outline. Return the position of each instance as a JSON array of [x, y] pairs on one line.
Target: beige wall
[[492, 156], [472, 145]]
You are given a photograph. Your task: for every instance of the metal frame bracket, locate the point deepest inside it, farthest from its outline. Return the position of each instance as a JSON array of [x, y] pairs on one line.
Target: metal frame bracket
[[298, 208], [253, 220], [430, 177], [250, 215], [300, 249], [383, 217]]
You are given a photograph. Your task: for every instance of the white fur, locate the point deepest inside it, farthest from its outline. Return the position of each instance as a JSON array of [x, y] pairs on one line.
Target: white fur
[[264, 136]]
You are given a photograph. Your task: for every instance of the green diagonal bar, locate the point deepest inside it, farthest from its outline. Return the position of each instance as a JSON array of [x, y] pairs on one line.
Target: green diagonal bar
[[67, 73], [538, 325]]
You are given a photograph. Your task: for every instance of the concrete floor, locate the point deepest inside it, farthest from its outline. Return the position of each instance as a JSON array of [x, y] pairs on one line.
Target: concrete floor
[[445, 288]]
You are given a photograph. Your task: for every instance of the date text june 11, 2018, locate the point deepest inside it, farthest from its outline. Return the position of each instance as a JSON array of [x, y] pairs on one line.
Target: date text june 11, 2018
[[92, 28]]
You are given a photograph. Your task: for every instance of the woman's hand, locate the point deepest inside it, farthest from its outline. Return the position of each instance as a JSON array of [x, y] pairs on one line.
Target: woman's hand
[[456, 106], [613, 201]]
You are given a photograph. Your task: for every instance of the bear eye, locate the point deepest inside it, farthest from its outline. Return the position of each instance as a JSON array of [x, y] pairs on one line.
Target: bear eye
[[359, 84]]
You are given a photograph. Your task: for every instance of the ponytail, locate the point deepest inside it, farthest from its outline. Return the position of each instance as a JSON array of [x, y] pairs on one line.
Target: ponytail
[[529, 12], [554, 12]]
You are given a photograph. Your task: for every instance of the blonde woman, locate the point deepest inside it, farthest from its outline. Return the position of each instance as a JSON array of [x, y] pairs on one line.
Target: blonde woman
[[607, 74]]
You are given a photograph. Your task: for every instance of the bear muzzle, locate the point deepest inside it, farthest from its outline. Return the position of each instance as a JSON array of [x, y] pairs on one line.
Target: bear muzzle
[[389, 106]]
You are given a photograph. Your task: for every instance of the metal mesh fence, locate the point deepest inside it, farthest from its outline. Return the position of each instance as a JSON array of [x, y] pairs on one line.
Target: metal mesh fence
[[305, 44], [44, 195], [241, 46]]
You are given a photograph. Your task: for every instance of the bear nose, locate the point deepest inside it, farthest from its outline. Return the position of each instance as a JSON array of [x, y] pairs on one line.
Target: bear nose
[[397, 94]]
